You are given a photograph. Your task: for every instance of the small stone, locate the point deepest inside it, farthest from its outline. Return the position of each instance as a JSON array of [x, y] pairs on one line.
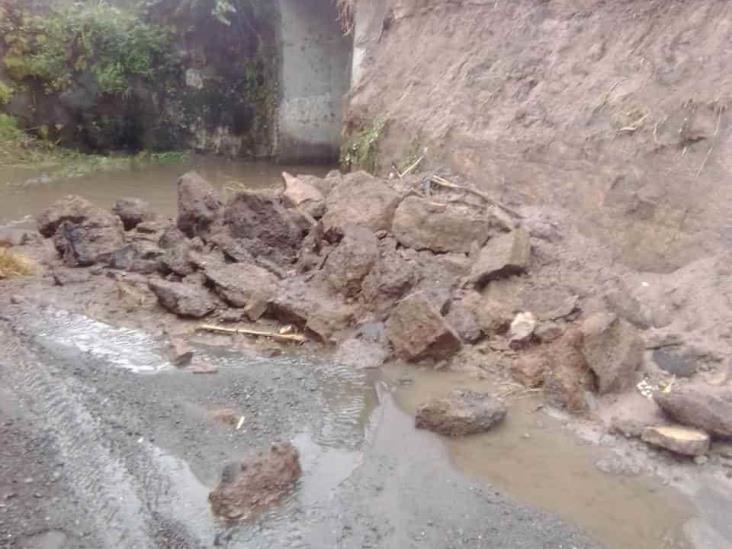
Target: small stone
[[680, 440], [701, 460], [181, 352], [522, 330]]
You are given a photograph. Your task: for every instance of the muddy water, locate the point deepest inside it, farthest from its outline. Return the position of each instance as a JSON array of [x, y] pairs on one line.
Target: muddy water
[[535, 459], [24, 192]]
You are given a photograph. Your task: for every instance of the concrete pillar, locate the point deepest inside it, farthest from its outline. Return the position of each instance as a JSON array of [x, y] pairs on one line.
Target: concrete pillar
[[315, 77]]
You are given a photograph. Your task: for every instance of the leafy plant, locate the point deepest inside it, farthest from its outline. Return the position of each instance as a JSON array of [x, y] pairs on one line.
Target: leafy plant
[[359, 152], [6, 93]]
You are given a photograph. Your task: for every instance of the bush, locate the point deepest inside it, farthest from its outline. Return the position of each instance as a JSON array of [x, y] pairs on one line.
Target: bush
[[114, 45]]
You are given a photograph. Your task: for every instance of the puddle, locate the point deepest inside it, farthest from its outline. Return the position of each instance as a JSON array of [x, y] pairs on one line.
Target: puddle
[[154, 183], [532, 458], [79, 333]]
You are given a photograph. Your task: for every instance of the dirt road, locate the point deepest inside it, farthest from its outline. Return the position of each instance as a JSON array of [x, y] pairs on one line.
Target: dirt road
[[106, 445]]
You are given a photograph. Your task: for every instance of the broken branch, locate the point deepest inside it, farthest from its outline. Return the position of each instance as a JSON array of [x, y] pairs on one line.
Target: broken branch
[[438, 180], [294, 338]]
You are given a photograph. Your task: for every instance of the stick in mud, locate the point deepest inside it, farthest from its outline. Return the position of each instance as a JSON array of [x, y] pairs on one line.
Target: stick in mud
[[294, 338]]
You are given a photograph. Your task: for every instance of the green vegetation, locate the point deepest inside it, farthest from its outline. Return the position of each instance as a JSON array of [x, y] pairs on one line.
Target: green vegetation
[[359, 152], [115, 46]]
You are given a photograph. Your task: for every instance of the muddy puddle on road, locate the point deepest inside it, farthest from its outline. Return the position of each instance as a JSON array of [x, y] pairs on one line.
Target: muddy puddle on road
[[535, 460], [27, 192]]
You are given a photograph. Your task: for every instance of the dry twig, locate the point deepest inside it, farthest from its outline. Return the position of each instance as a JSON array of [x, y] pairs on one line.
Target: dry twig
[[293, 338]]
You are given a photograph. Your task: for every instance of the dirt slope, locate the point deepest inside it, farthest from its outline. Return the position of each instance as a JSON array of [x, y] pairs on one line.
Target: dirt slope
[[614, 112]]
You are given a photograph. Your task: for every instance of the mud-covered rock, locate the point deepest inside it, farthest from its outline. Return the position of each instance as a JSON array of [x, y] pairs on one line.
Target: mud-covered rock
[[132, 212], [425, 225], [136, 258], [181, 353], [463, 322], [680, 440], [184, 300], [492, 316], [392, 277], [352, 260], [675, 362], [613, 350], [243, 285], [567, 377], [461, 413], [360, 199], [74, 209], [176, 259], [698, 405], [312, 306], [199, 204], [66, 277], [261, 226], [171, 236], [504, 255], [255, 484], [92, 240], [417, 330], [304, 196]]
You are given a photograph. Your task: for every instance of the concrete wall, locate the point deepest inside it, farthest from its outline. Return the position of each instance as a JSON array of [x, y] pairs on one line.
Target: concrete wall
[[314, 78]]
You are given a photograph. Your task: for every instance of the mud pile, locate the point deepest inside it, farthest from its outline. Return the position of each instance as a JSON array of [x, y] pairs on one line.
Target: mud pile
[[419, 269]]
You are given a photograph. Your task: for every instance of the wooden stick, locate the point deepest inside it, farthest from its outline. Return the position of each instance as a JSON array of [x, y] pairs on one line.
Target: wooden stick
[[295, 338], [411, 168], [448, 184]]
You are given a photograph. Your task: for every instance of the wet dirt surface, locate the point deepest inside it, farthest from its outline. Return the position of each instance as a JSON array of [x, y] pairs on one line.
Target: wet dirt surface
[[105, 444], [126, 459]]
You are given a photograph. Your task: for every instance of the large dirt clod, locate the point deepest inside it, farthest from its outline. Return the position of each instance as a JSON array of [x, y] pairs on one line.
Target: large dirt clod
[[504, 255], [613, 350], [92, 240], [352, 260], [257, 483], [199, 204], [461, 413], [184, 300], [702, 406], [70, 208], [302, 195], [417, 330], [360, 199], [243, 285], [425, 225], [132, 212]]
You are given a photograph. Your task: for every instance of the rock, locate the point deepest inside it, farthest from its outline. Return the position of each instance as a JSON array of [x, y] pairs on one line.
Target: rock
[[227, 416], [675, 362], [705, 407], [132, 212], [463, 322], [65, 277], [171, 236], [680, 440], [613, 350], [312, 306], [521, 331], [262, 226], [504, 255], [181, 353], [183, 299], [199, 204], [567, 378], [255, 484], [417, 330], [136, 258], [621, 302], [303, 196], [391, 277], [360, 199], [74, 209], [352, 260], [425, 225], [93, 240], [529, 370], [492, 316], [176, 259], [546, 332], [244, 285], [461, 413]]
